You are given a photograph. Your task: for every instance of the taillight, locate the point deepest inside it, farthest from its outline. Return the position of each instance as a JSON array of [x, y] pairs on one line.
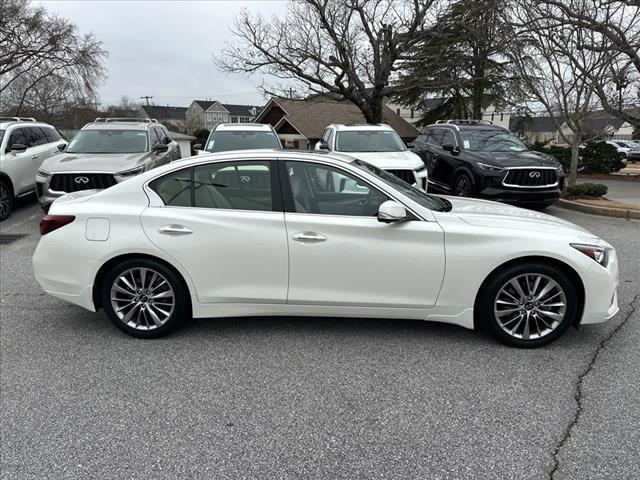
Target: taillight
[[52, 222]]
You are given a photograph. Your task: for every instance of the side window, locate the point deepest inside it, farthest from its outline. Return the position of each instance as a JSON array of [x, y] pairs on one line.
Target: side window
[[166, 136], [35, 137], [174, 188], [331, 135], [325, 135], [325, 190], [51, 134], [233, 185], [17, 136], [435, 137], [448, 138], [153, 137]]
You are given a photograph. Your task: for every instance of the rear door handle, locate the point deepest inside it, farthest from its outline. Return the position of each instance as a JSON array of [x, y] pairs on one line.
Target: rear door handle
[[175, 230], [308, 237], [33, 157]]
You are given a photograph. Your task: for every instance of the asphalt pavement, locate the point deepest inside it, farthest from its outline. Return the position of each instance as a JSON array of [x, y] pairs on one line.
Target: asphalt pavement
[[311, 397]]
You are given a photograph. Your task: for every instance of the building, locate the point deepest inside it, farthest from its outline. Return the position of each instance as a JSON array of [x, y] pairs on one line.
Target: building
[[209, 113], [542, 129], [301, 123], [184, 142], [174, 118], [440, 105]]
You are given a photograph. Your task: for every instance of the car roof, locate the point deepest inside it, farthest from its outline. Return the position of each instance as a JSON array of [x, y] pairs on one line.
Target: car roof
[[266, 154], [118, 126], [5, 125], [383, 127], [243, 127]]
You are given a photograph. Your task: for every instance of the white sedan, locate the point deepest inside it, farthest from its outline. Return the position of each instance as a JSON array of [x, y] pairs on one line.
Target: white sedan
[[292, 233]]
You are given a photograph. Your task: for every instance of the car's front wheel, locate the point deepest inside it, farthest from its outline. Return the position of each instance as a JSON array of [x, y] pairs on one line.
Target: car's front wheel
[[144, 298], [462, 186], [528, 305], [6, 200]]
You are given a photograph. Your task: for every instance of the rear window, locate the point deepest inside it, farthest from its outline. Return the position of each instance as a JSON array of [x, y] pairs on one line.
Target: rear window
[[223, 141]]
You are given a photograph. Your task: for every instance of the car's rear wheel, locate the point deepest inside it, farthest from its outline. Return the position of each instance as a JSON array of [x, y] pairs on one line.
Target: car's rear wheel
[[144, 298], [528, 305], [6, 200], [462, 185]]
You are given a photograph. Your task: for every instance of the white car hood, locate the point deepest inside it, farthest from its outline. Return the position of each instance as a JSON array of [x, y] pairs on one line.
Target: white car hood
[[389, 160], [500, 215]]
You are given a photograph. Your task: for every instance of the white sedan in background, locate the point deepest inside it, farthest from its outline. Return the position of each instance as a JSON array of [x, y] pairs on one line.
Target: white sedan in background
[[292, 233]]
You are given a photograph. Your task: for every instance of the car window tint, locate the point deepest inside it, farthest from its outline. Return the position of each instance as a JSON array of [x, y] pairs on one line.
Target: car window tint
[[325, 190], [448, 138], [35, 137], [154, 138], [51, 134], [174, 188], [436, 135], [233, 185], [16, 137]]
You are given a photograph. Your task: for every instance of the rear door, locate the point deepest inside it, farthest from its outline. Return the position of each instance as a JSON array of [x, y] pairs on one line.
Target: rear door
[[223, 222], [447, 160], [20, 165]]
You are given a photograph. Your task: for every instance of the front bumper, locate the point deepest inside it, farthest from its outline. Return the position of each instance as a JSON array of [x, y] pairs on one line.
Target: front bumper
[[491, 188], [601, 291]]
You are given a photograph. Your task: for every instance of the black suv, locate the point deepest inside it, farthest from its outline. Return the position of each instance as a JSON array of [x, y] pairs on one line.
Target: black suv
[[477, 159]]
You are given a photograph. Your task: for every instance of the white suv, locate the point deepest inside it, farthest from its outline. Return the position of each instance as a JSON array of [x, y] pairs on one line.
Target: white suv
[[378, 145], [24, 145], [239, 136]]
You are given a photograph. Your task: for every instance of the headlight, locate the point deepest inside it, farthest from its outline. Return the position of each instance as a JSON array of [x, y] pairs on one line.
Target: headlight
[[43, 173], [490, 168], [560, 170], [133, 171], [598, 253]]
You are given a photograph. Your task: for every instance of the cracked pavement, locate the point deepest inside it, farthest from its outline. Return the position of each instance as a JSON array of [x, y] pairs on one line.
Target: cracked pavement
[[312, 398]]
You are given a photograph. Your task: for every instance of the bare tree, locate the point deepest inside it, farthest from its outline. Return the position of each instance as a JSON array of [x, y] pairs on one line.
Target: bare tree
[[557, 73], [610, 28], [38, 49], [350, 48]]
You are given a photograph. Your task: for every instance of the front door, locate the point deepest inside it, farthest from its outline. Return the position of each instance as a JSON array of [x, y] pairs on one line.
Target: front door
[[222, 222], [340, 254]]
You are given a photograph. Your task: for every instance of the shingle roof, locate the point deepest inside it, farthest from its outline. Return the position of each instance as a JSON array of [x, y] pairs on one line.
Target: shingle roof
[[205, 103], [241, 110], [168, 113], [312, 117], [532, 124]]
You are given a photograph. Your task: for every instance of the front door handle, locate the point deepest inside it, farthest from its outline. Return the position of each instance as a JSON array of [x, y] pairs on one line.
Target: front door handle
[[175, 230], [33, 157], [308, 237]]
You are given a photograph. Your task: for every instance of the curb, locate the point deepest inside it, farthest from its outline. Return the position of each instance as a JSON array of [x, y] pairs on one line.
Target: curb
[[627, 213]]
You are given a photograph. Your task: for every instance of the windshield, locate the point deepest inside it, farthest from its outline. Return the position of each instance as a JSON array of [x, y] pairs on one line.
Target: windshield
[[223, 141], [490, 140], [369, 141], [428, 201], [108, 141]]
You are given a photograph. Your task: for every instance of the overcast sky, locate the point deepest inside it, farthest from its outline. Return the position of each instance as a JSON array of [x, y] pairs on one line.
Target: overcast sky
[[165, 48]]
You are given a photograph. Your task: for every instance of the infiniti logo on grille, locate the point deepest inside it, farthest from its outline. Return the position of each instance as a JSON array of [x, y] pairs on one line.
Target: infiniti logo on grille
[[534, 174], [82, 180]]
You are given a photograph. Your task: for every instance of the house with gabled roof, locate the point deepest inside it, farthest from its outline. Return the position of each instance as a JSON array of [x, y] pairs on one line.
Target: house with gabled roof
[[209, 113], [301, 123]]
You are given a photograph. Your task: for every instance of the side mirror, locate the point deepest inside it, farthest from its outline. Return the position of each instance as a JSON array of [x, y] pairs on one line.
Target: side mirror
[[62, 146], [321, 145], [391, 211], [18, 147], [160, 148], [197, 146], [450, 148]]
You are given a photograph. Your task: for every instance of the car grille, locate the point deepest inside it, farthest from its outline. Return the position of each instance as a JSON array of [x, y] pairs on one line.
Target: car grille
[[531, 177], [73, 182], [406, 175]]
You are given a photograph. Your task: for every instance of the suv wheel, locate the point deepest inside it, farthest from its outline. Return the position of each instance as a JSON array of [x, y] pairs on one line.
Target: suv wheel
[[6, 200], [462, 185], [144, 298], [528, 305]]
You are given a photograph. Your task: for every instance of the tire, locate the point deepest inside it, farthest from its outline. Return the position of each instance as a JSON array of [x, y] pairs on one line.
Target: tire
[[6, 200], [151, 313], [45, 208], [462, 186], [522, 324]]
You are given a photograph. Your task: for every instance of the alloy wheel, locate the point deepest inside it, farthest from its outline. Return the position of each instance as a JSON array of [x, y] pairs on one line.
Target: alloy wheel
[[5, 200], [142, 298], [530, 306], [463, 186]]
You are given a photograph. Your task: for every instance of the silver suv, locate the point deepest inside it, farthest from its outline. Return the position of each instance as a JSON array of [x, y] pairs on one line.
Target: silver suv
[[103, 153], [24, 145]]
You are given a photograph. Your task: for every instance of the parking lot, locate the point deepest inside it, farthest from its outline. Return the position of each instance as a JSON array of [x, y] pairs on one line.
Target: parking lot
[[312, 398]]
